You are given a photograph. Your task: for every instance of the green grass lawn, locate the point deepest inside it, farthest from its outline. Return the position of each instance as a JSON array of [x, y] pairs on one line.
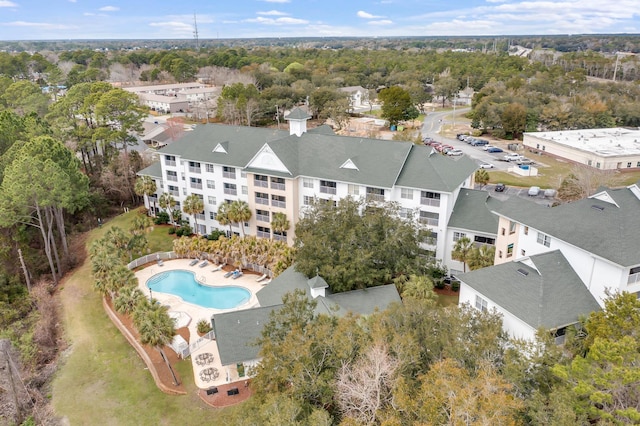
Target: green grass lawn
[[446, 300], [101, 379]]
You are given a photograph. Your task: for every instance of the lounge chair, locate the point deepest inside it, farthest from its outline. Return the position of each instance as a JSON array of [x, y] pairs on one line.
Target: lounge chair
[[219, 267], [160, 262], [262, 278], [238, 275], [203, 264], [228, 274], [193, 262]]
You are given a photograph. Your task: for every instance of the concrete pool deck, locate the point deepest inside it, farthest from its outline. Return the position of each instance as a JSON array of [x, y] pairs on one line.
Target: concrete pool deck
[[206, 276]]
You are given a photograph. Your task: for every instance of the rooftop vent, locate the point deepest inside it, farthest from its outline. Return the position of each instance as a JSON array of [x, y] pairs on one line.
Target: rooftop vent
[[599, 208], [523, 272]]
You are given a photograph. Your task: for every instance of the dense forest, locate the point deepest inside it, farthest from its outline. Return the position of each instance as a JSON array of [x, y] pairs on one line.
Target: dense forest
[[65, 160]]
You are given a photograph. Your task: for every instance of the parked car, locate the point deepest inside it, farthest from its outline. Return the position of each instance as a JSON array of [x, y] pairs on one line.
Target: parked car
[[513, 157], [500, 187], [487, 147], [486, 166], [524, 160], [461, 136], [549, 193], [534, 191], [479, 142], [495, 149], [450, 279], [454, 152]]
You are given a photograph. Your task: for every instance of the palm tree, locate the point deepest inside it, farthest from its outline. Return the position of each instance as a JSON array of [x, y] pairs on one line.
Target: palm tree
[[167, 202], [127, 300], [145, 186], [481, 257], [239, 212], [157, 329], [279, 223], [223, 216], [193, 205], [461, 251]]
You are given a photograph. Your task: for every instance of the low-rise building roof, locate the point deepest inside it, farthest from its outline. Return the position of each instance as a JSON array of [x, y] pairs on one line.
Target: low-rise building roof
[[542, 290], [472, 212]]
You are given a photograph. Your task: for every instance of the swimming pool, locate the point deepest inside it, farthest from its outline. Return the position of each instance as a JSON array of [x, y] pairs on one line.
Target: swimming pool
[[184, 285]]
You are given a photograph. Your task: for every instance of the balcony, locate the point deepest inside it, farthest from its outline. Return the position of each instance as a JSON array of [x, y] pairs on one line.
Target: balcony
[[279, 237], [172, 178], [229, 175], [263, 234], [278, 203], [196, 185], [231, 191], [433, 202], [634, 278], [429, 221], [328, 190], [193, 169], [375, 197], [174, 192], [262, 200], [262, 218], [170, 163], [261, 183]]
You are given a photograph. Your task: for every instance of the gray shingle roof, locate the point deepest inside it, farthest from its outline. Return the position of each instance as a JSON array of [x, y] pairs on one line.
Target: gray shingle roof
[[537, 298], [365, 301], [154, 170], [237, 331], [472, 212], [611, 233], [434, 171], [297, 114]]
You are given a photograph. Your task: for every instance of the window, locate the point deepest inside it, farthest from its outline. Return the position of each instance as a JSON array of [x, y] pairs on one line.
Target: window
[[484, 240], [263, 232], [262, 198], [500, 254], [306, 200], [278, 201], [182, 175], [245, 189], [261, 181], [523, 252], [406, 193], [543, 239], [429, 218], [375, 194], [510, 250], [629, 164], [209, 168], [229, 172], [543, 147], [503, 231], [307, 183], [458, 235], [327, 187], [512, 227], [211, 200], [170, 160], [537, 146], [597, 165], [194, 167], [589, 163], [171, 175], [173, 190], [262, 216], [211, 184], [243, 174], [526, 230], [404, 213], [638, 165], [430, 198], [481, 304], [196, 183], [230, 189], [277, 183], [353, 190], [212, 215]]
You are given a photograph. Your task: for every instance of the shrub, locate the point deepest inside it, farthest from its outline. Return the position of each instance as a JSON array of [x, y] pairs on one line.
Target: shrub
[[162, 218], [439, 284], [455, 285], [204, 326], [186, 231], [172, 230], [215, 235]]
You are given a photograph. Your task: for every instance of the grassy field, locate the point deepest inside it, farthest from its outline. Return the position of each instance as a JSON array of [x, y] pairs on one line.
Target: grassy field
[[102, 380]]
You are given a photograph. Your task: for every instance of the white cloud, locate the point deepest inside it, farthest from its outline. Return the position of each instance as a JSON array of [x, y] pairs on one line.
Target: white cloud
[[173, 25], [109, 9], [381, 22], [277, 21], [272, 13], [366, 15], [6, 3], [41, 25]]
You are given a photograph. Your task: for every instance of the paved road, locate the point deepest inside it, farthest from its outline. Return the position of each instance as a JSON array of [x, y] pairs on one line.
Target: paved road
[[431, 128]]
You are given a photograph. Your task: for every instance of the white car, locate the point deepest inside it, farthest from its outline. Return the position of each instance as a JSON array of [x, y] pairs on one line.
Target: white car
[[486, 166], [486, 147], [454, 152]]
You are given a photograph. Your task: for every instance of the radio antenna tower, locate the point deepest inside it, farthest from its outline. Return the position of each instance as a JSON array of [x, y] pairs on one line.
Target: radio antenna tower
[[195, 32]]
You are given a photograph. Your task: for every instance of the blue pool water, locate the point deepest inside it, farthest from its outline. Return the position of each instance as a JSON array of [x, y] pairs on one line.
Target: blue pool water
[[184, 285]]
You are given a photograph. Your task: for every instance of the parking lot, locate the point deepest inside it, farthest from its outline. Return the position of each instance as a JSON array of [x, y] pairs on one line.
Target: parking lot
[[516, 192]]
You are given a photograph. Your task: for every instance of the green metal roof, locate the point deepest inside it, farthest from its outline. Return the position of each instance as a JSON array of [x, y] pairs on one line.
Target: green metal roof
[[426, 168], [551, 295], [472, 212], [599, 227]]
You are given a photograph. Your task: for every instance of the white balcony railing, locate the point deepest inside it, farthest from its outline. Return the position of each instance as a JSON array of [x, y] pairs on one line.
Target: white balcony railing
[[433, 202]]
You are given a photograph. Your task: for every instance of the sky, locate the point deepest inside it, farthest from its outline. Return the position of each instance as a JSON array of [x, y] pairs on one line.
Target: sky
[[171, 19]]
